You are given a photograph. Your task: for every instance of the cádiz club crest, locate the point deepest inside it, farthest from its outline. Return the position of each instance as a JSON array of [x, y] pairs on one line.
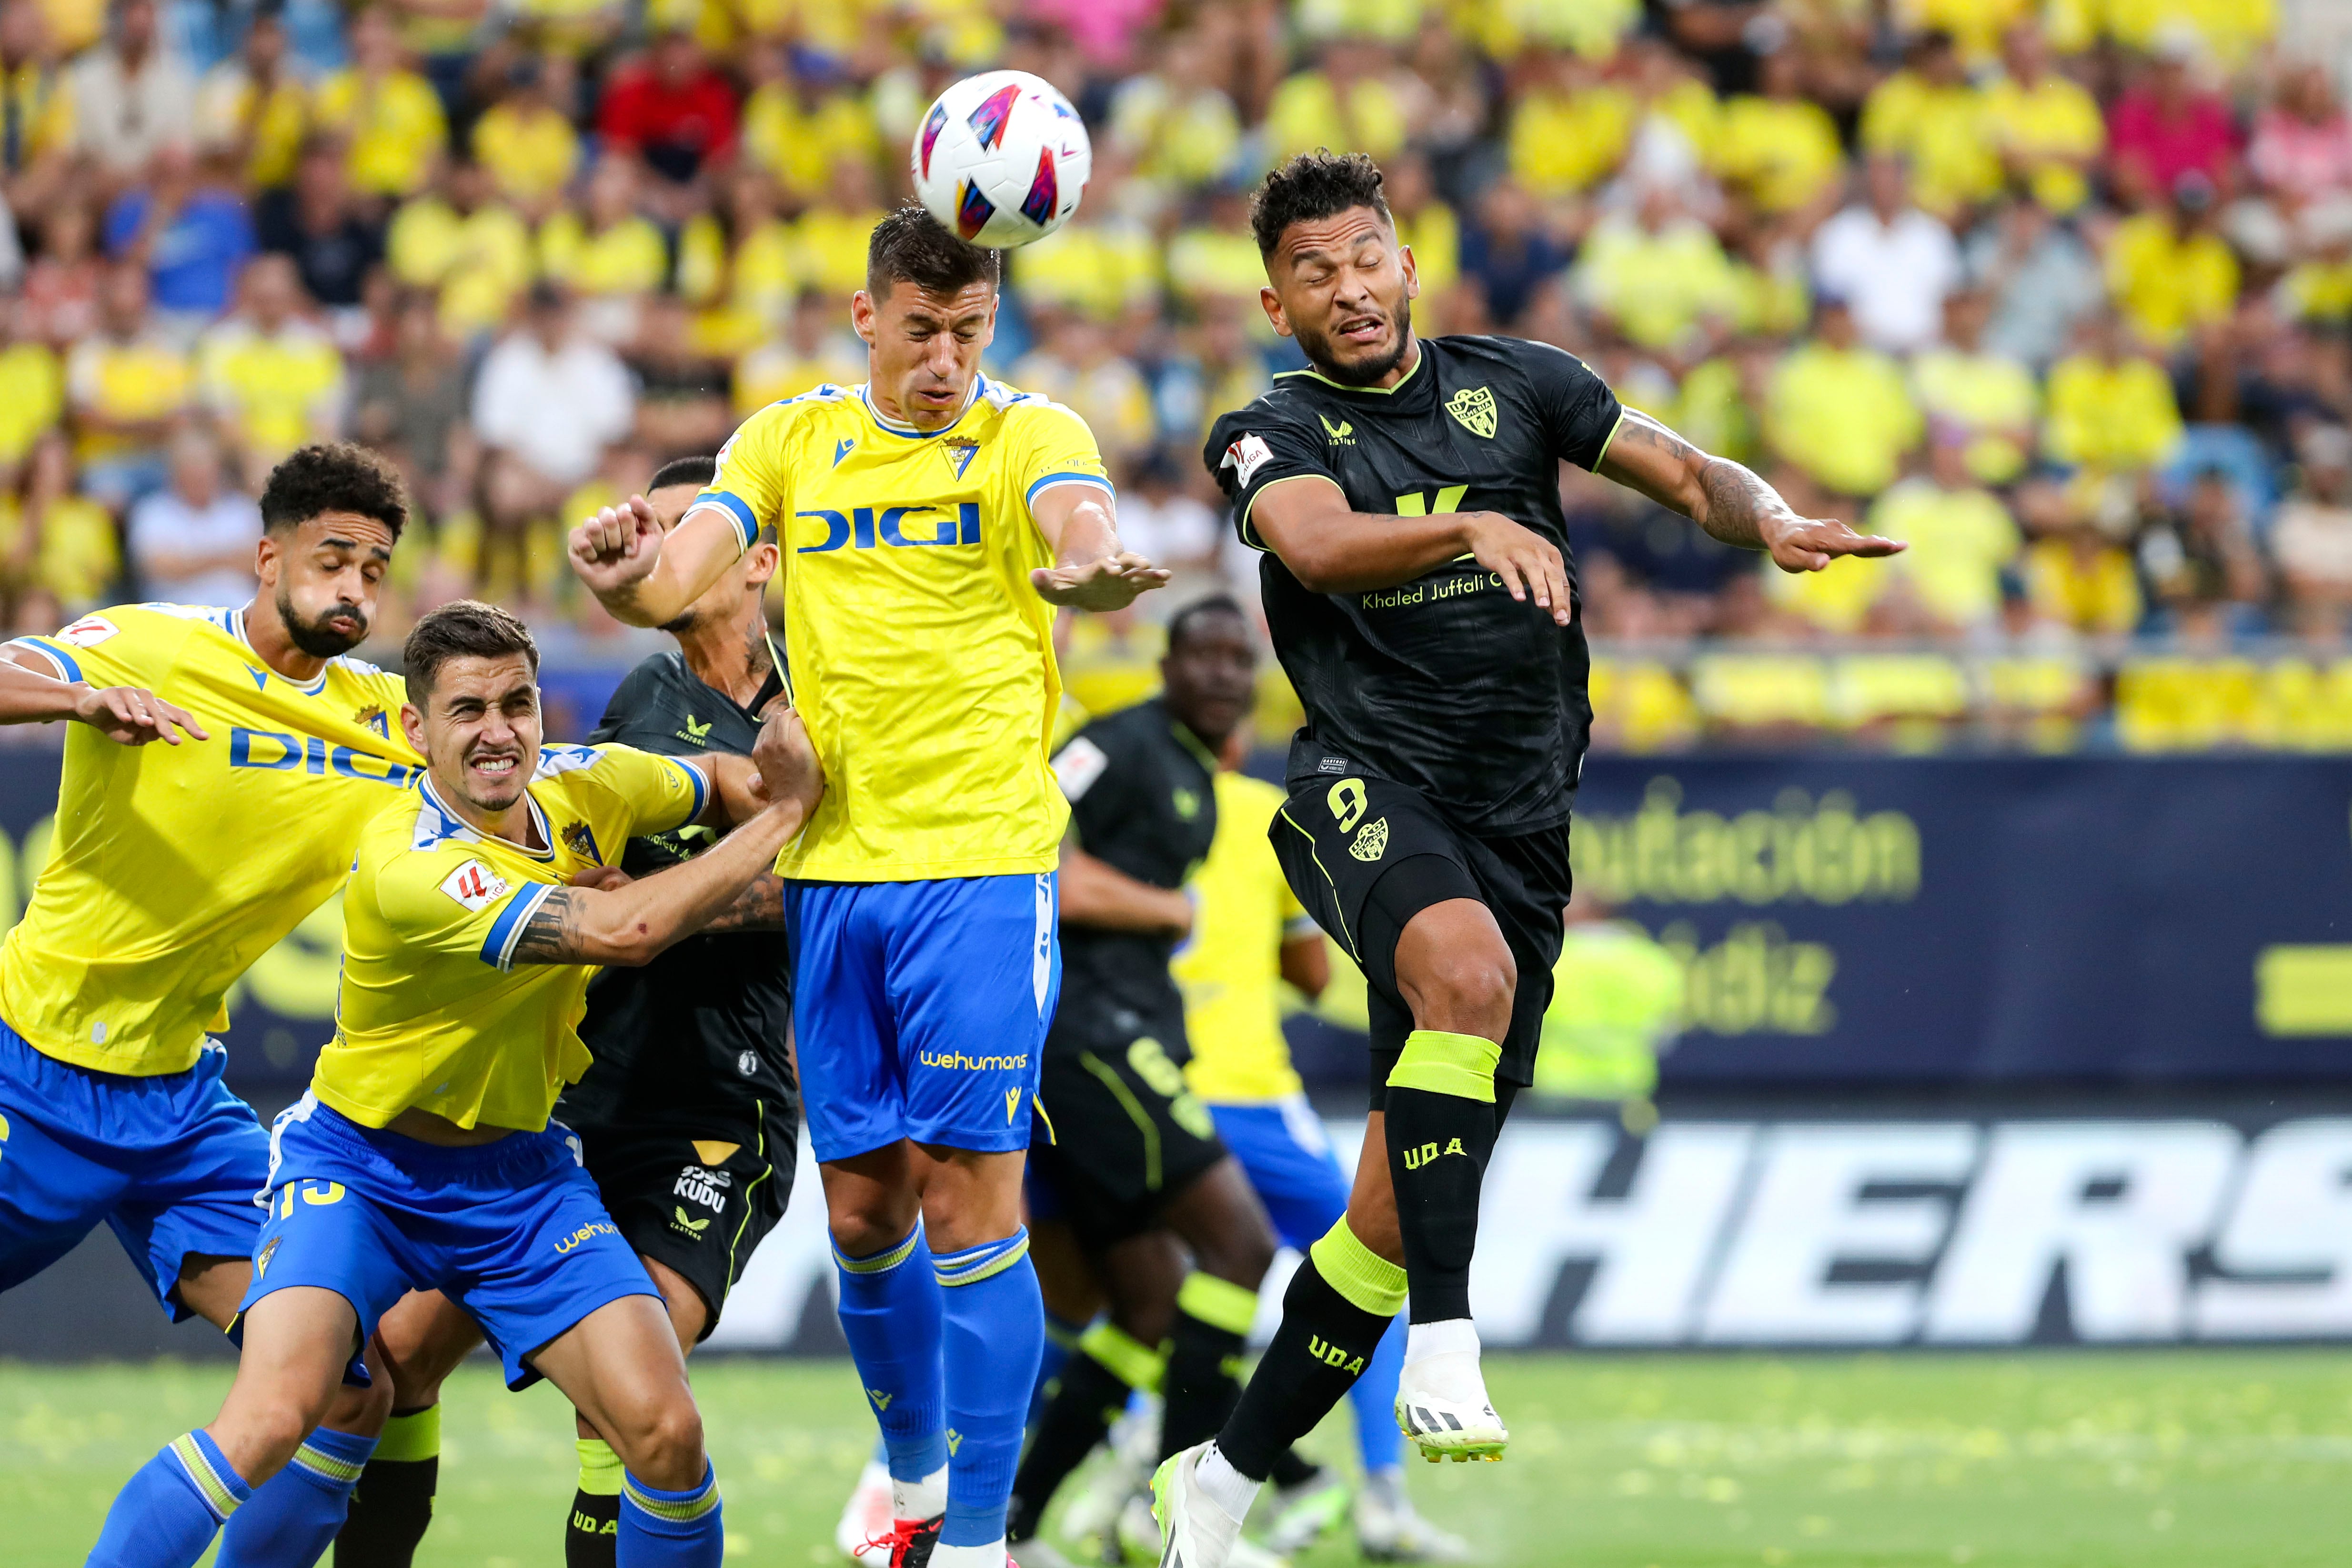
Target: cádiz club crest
[[1474, 407]]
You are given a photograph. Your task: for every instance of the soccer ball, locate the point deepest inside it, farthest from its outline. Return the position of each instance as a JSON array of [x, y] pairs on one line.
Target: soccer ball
[[1002, 159]]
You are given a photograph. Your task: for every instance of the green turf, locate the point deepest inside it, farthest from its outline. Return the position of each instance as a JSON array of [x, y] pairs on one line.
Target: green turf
[[2215, 1459]]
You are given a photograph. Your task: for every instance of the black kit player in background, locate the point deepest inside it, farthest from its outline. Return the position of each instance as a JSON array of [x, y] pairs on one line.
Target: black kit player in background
[[1123, 1155], [1405, 493], [690, 1117]]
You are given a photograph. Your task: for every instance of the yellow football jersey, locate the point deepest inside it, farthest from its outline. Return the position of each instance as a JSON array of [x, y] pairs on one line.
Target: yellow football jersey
[[922, 659], [1231, 970], [176, 867], [433, 1013]]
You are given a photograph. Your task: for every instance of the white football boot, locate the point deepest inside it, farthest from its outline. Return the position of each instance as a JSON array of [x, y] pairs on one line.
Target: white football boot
[[866, 1516], [1196, 1531], [1441, 1403]]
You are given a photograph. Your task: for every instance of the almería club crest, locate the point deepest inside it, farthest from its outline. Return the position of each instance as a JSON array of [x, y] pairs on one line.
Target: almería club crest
[[1474, 407]]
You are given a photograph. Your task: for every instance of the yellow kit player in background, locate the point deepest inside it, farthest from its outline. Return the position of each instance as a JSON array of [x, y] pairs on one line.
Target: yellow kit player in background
[[423, 1158], [173, 868], [931, 521]]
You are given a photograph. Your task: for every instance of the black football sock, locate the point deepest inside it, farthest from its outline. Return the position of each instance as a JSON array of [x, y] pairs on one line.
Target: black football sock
[[1107, 1366], [591, 1533], [393, 1503], [1338, 1306], [1205, 1360], [1442, 1119]]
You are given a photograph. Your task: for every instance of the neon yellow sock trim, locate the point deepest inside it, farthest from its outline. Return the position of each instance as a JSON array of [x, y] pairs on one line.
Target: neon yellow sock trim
[[1357, 1272], [599, 1467], [1219, 1303], [1459, 1065], [1127, 1358], [415, 1435]]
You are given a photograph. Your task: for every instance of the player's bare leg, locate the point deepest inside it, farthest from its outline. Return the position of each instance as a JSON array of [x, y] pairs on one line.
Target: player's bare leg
[[593, 1527], [423, 1339]]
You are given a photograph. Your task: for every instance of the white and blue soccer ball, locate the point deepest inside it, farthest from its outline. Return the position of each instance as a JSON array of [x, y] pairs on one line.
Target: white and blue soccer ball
[[1002, 159]]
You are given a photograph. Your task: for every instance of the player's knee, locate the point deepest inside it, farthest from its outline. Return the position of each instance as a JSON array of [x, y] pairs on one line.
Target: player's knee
[[664, 1445], [861, 1228], [1241, 1256], [1465, 992], [361, 1411]]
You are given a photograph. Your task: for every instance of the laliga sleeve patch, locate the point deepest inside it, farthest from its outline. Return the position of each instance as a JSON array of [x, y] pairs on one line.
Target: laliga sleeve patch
[[87, 632], [1076, 769], [475, 885], [1247, 456]]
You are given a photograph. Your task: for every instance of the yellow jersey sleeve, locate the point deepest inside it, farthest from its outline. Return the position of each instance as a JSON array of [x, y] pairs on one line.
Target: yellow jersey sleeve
[[129, 645], [754, 478], [1053, 447], [447, 903], [652, 794]]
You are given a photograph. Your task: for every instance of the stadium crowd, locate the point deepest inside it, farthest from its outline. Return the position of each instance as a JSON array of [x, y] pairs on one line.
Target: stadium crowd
[[2059, 293]]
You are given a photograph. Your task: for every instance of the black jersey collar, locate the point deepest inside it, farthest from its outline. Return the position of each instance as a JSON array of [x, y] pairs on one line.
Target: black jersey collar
[[1411, 382]]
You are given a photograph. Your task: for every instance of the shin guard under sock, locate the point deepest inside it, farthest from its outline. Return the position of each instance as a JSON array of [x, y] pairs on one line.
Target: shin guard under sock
[[591, 1533], [670, 1529], [392, 1505], [292, 1516], [1338, 1306], [994, 1328], [890, 1309], [1204, 1359], [1094, 1387], [1442, 1120], [170, 1509]]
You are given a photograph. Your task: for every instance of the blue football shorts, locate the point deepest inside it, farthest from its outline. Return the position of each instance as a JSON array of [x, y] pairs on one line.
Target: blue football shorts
[[173, 1164], [512, 1231], [920, 1008], [1282, 1150]]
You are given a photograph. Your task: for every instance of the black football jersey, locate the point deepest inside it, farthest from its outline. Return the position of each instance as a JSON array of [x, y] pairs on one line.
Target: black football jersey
[[1446, 683], [696, 1039], [1143, 800]]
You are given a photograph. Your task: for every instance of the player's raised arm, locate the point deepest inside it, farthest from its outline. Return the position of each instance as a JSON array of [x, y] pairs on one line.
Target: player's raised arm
[[1090, 572], [1099, 894], [1332, 549], [646, 577], [1726, 500], [130, 715]]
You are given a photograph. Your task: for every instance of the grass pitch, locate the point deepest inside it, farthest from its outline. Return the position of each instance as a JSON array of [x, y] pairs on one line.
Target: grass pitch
[[2202, 1459]]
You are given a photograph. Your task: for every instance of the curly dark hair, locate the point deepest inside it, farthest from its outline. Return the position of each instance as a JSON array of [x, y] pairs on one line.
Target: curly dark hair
[[333, 475], [1317, 184], [462, 628], [913, 245]]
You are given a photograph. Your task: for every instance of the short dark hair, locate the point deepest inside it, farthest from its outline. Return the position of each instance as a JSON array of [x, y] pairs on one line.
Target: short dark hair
[[1181, 625], [913, 245], [698, 471], [333, 475], [1317, 184], [462, 628]]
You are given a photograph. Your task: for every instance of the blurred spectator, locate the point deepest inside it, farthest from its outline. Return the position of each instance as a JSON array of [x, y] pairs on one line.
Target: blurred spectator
[[605, 253], [1351, 97], [191, 543], [525, 140], [1215, 369], [1507, 253], [803, 118], [125, 384], [1781, 150], [1158, 517], [464, 243], [1175, 121], [2201, 564], [1426, 226], [410, 404], [32, 389], [682, 404], [388, 115], [2042, 280], [2110, 407], [273, 380], [190, 227], [1657, 274], [2311, 538], [815, 348], [252, 108], [1840, 410], [1929, 115], [548, 401], [1987, 396], [322, 223], [60, 296], [1891, 261], [669, 108], [1569, 129], [2044, 126], [2168, 269], [1076, 364], [1961, 537], [133, 97], [829, 238], [2166, 126], [39, 141], [2302, 146], [58, 554], [2080, 580]]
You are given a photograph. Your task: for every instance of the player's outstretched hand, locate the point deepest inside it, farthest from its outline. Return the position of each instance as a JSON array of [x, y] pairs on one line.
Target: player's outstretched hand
[[787, 763], [1528, 563], [617, 547], [132, 716], [1810, 543], [1110, 583]]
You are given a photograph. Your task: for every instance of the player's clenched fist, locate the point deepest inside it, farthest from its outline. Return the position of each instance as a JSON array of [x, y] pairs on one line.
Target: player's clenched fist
[[618, 546], [787, 763], [132, 716], [1528, 563]]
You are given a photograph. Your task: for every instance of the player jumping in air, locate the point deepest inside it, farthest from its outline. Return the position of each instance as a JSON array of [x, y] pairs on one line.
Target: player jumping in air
[[931, 521], [174, 868], [688, 1118], [1406, 494], [423, 1158]]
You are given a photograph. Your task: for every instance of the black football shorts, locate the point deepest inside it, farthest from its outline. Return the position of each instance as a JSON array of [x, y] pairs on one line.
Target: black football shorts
[[701, 1206], [1117, 1134], [1365, 855]]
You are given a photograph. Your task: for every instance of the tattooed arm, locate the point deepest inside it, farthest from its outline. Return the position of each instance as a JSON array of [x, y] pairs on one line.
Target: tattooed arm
[[760, 906], [1726, 500]]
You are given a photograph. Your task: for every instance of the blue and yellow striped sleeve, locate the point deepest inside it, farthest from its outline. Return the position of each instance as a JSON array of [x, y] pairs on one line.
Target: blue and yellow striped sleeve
[[654, 793], [1057, 449], [444, 901], [752, 483]]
